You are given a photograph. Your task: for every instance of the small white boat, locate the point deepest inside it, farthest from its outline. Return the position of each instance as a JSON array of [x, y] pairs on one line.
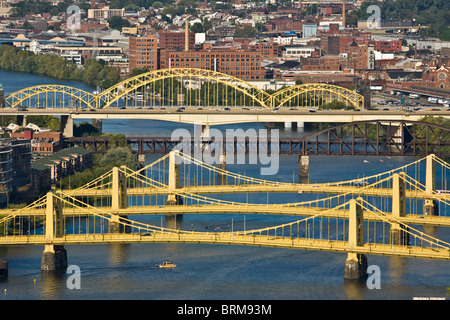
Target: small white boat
[[166, 264]]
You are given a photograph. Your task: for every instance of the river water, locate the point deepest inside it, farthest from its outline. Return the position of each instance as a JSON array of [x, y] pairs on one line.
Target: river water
[[214, 272]]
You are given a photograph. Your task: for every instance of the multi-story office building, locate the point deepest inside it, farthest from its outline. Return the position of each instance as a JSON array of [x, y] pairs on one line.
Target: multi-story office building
[[243, 64], [143, 52], [360, 57], [175, 40]]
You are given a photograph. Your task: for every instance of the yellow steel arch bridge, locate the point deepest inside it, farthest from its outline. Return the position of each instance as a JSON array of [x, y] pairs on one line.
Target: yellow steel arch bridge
[[188, 87], [381, 214]]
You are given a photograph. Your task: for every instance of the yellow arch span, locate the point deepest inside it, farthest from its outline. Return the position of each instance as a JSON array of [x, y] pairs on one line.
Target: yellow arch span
[[15, 99], [258, 96], [114, 93], [282, 97]]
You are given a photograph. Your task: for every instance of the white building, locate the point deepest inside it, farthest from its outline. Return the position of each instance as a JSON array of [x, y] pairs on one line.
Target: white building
[[298, 51]]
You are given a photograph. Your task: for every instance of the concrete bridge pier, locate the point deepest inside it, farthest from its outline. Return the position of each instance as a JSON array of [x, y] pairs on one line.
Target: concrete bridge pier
[[141, 159], [222, 177], [2, 97], [97, 124], [3, 268], [174, 184], [54, 257], [67, 126], [398, 234], [22, 120], [303, 169], [356, 264], [430, 206], [288, 125], [173, 221], [117, 226], [118, 201], [399, 138]]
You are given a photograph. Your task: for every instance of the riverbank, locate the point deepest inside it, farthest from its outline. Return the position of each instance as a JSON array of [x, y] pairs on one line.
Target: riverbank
[[92, 73]]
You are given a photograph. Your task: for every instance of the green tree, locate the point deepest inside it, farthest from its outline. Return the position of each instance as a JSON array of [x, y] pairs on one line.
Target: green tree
[[197, 27], [108, 76], [119, 156], [245, 32], [117, 141], [91, 71], [435, 135], [260, 27], [138, 71], [51, 122], [118, 23], [85, 129], [157, 5]]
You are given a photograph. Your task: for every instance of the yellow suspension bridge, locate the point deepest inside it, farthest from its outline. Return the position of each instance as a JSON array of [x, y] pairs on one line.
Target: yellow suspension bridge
[[373, 215]]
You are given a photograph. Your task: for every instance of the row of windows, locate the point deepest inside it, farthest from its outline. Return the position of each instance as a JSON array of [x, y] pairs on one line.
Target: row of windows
[[298, 52], [145, 40], [212, 59], [145, 53], [242, 56], [43, 149], [145, 63], [225, 67], [145, 58]]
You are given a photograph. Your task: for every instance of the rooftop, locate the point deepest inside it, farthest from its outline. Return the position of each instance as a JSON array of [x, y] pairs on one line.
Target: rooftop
[[43, 163]]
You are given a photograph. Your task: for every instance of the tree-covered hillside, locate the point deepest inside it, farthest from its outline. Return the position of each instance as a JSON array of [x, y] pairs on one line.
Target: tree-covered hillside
[[432, 13]]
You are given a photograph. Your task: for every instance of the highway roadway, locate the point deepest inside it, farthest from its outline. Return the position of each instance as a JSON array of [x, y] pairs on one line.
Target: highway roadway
[[216, 116]]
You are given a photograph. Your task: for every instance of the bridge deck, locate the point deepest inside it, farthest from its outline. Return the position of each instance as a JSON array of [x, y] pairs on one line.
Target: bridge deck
[[416, 219], [227, 238], [282, 188]]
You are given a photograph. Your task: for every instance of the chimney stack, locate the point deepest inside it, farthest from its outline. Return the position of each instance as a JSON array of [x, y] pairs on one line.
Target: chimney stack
[[343, 13], [186, 36]]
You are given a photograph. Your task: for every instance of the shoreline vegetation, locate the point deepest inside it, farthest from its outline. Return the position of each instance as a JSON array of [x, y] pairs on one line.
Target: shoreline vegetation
[[93, 73]]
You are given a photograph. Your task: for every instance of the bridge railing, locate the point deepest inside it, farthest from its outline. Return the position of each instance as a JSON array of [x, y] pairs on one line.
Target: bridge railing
[[319, 232]]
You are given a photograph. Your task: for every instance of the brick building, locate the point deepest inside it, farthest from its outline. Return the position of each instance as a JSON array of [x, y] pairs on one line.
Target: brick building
[[243, 64], [143, 52], [387, 46], [175, 40], [326, 63], [360, 57], [285, 24], [269, 50], [41, 142], [437, 74], [335, 41], [50, 169]]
